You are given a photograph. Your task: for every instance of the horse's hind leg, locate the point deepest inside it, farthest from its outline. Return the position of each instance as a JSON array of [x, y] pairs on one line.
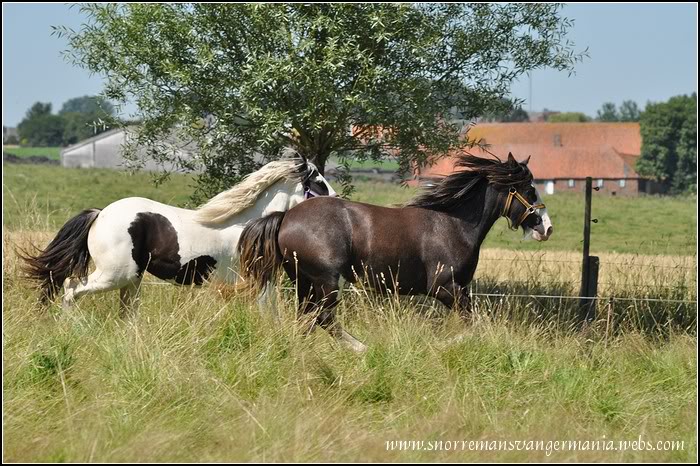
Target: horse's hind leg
[[305, 297], [303, 287], [267, 300], [97, 281]]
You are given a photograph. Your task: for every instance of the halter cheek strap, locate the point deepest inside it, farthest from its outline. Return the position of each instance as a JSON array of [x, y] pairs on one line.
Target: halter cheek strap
[[309, 193], [529, 208]]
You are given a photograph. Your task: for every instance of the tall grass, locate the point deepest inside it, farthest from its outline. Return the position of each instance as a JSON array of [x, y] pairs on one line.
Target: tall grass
[[196, 377]]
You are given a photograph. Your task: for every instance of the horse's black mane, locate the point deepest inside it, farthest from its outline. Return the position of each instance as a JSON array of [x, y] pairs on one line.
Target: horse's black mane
[[454, 189]]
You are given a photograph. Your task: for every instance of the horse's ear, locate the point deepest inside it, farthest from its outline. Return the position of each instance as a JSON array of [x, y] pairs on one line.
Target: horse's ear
[[511, 159], [527, 160]]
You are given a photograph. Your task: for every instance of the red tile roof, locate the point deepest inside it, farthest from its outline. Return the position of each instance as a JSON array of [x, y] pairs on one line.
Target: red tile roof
[[624, 137], [559, 150]]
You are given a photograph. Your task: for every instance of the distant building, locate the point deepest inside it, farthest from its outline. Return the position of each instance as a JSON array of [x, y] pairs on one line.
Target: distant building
[[105, 150], [10, 135], [564, 154]]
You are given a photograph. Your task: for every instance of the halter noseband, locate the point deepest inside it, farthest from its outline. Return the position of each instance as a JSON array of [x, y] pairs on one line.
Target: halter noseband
[[529, 208]]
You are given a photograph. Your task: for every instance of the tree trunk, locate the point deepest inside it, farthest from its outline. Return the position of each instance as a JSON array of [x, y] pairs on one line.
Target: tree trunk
[[320, 161]]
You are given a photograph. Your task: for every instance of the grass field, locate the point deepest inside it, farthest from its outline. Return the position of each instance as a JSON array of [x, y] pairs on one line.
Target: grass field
[[645, 225], [53, 153], [198, 375]]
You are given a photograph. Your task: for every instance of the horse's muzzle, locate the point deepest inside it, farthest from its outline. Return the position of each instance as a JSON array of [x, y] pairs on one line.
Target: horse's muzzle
[[539, 233]]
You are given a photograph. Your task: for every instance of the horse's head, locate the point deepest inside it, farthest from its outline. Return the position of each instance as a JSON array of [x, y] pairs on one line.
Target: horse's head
[[312, 182], [523, 206], [508, 189]]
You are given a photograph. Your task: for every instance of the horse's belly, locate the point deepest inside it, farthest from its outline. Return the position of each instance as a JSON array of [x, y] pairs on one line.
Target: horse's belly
[[405, 275]]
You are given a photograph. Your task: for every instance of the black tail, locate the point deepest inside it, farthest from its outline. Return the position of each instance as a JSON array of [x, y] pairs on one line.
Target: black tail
[[67, 255], [260, 252]]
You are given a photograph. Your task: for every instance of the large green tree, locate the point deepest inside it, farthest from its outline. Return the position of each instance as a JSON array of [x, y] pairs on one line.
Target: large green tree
[[360, 80], [669, 143]]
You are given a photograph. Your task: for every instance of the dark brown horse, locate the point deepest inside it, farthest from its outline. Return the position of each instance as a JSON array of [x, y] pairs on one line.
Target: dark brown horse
[[430, 246]]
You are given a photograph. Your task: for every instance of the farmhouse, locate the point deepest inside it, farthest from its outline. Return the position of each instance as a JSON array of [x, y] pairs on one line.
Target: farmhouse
[[105, 151], [564, 154]]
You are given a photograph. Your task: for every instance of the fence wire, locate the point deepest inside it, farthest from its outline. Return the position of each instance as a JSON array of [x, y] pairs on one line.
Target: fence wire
[[494, 282], [579, 298], [625, 277]]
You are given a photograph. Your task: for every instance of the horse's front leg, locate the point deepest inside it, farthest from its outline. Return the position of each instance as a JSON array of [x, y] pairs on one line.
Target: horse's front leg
[[455, 297], [325, 314], [464, 304]]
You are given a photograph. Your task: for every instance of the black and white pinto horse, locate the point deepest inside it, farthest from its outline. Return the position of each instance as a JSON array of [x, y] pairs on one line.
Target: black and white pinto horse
[[186, 247]]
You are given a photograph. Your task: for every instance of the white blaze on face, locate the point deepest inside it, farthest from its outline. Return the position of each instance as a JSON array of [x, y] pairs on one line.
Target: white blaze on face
[[547, 228], [320, 180], [331, 191]]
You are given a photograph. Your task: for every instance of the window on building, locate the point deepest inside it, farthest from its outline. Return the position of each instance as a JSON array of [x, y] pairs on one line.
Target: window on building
[[600, 182], [623, 182], [572, 183], [549, 187]]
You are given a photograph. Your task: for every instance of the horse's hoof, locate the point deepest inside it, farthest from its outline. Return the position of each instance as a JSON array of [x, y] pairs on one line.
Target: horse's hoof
[[358, 347]]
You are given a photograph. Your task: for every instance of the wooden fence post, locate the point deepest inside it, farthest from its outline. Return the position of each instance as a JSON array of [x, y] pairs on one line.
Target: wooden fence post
[[590, 264]]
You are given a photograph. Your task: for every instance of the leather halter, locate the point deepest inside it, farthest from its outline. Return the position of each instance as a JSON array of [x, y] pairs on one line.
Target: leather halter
[[529, 208], [308, 192]]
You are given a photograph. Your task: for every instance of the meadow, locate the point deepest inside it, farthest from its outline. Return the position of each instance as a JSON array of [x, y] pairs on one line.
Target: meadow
[[53, 153], [44, 197], [203, 375]]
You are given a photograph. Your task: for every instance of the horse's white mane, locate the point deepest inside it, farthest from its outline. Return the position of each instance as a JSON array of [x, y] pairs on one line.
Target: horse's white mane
[[228, 203]]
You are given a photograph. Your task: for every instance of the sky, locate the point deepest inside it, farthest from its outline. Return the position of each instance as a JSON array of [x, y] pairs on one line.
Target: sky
[[639, 52]]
